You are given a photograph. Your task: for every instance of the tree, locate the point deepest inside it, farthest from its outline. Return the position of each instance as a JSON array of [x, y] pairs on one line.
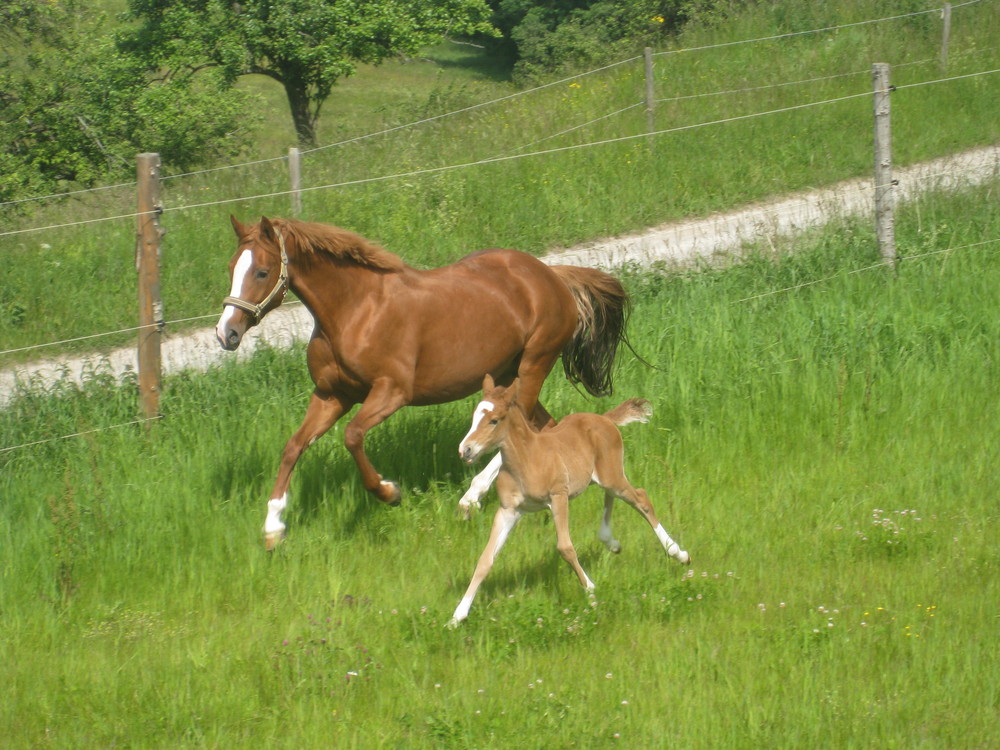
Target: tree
[[74, 110], [305, 45], [541, 37]]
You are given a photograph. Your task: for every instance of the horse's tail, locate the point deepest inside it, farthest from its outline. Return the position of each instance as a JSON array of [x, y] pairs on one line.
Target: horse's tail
[[603, 307], [633, 410]]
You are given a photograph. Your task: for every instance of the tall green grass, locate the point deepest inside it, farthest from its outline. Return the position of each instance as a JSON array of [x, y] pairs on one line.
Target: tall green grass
[[827, 454], [63, 283]]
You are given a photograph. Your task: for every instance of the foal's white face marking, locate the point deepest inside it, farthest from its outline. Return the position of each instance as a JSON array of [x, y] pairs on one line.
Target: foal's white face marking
[[240, 272], [481, 410]]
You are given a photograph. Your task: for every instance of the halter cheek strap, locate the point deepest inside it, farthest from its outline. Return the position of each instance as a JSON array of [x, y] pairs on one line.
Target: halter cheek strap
[[257, 311]]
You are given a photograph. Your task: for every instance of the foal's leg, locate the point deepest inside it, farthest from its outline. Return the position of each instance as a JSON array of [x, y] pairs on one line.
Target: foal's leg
[[605, 534], [638, 499], [560, 514], [323, 411], [384, 399], [479, 486], [504, 521]]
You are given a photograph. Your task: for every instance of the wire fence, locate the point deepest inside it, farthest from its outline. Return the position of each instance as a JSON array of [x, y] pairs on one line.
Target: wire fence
[[518, 153]]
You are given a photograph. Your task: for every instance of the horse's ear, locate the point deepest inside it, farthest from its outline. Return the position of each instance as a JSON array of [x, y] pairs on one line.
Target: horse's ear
[[267, 228], [238, 227], [488, 384]]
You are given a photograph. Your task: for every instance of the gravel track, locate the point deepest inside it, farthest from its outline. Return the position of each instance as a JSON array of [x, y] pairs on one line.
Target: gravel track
[[676, 244]]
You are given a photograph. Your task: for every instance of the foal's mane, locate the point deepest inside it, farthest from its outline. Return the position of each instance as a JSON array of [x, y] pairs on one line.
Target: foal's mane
[[340, 244]]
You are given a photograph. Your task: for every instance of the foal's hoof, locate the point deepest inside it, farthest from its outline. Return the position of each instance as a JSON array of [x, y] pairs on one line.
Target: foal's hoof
[[468, 508], [388, 493]]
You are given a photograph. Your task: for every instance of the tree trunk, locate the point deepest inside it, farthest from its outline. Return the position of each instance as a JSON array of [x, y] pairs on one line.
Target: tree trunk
[[303, 116]]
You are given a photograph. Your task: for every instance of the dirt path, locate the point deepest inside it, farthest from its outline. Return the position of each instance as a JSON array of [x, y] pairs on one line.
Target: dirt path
[[674, 244]]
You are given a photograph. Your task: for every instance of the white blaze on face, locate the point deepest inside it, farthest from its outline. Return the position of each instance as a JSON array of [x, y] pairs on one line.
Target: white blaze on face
[[240, 272], [481, 410]]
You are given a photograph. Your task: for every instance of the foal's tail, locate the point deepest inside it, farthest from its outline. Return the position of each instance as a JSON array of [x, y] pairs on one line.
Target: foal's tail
[[633, 410], [603, 307]]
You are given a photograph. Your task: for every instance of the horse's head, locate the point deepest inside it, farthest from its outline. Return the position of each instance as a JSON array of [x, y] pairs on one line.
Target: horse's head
[[489, 420], [259, 275]]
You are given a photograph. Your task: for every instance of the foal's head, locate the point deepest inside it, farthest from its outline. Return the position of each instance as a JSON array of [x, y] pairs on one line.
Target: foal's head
[[259, 281], [489, 420]]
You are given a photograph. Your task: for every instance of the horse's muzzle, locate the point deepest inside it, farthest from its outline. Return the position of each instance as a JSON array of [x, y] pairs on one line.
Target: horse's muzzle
[[229, 338]]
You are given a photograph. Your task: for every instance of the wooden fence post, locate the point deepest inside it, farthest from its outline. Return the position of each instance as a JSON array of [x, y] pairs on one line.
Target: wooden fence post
[[295, 176], [147, 263], [945, 33], [650, 102], [884, 193]]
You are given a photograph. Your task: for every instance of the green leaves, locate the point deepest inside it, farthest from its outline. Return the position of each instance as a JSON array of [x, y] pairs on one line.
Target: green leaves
[[306, 45], [76, 107]]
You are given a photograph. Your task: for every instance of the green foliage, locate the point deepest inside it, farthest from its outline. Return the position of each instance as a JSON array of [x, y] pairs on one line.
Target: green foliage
[[305, 45], [75, 109], [542, 38]]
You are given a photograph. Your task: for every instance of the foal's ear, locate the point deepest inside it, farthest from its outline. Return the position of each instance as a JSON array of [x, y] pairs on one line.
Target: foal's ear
[[238, 227], [488, 384], [512, 391]]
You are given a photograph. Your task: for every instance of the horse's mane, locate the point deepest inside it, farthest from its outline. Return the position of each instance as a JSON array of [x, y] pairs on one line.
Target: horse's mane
[[341, 244]]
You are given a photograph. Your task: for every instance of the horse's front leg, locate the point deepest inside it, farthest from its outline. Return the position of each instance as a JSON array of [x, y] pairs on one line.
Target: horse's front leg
[[384, 399], [323, 412]]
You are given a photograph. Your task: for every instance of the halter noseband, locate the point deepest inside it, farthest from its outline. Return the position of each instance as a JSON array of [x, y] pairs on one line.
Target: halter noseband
[[257, 311]]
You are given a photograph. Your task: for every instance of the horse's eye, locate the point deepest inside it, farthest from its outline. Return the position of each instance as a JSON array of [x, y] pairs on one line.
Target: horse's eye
[[261, 274], [494, 421]]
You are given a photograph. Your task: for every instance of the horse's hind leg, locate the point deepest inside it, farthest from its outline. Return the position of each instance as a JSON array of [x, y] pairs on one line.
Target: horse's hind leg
[[321, 415]]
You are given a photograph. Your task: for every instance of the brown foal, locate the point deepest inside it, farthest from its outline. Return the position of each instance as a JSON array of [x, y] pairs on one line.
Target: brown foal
[[549, 468]]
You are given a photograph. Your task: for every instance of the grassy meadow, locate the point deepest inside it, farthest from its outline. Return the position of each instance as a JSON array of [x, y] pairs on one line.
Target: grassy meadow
[[827, 454], [824, 438], [400, 188]]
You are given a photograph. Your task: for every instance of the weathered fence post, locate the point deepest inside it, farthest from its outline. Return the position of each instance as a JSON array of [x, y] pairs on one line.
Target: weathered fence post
[[884, 193], [945, 33], [147, 263], [295, 176], [650, 102]]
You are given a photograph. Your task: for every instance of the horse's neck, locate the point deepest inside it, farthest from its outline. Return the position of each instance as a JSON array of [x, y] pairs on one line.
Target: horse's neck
[[328, 286]]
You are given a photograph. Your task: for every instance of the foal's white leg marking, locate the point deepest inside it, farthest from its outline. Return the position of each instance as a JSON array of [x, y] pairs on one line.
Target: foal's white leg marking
[[508, 520], [274, 529], [673, 549], [480, 485], [240, 272]]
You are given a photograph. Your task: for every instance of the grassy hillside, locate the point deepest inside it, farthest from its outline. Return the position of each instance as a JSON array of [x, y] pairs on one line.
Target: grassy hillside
[[405, 188], [827, 454]]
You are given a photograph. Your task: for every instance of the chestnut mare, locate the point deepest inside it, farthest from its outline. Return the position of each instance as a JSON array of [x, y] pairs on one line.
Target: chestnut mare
[[387, 335], [548, 469]]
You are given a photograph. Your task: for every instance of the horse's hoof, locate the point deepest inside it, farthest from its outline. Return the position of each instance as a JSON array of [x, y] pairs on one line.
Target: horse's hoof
[[467, 509], [453, 623], [389, 493], [272, 539]]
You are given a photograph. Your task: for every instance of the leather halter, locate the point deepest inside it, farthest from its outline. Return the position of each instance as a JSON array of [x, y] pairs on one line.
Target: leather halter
[[280, 287]]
